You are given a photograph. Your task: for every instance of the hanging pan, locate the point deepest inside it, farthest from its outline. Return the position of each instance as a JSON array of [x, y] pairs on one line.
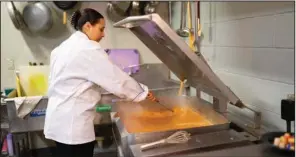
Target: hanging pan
[[38, 17], [65, 5]]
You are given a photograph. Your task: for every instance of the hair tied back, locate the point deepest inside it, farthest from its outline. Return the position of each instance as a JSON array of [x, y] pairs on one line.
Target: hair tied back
[[74, 19]]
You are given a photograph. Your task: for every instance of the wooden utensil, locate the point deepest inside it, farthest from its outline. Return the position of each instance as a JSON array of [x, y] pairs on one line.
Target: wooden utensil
[[65, 5]]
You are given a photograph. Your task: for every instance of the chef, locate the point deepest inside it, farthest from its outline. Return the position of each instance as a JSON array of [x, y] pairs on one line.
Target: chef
[[79, 67]]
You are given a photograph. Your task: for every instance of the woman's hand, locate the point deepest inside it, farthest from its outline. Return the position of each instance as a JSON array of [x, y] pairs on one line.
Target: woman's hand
[[151, 97]]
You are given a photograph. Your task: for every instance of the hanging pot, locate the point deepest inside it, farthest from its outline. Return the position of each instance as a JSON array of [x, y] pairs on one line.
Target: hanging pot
[[65, 5], [38, 17]]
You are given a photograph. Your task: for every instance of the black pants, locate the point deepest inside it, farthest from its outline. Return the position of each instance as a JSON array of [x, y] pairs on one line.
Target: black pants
[[80, 150]]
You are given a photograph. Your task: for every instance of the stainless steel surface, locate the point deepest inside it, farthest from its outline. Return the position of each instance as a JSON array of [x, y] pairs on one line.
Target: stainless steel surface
[[191, 19], [183, 31], [157, 35], [236, 116], [197, 37], [253, 150], [164, 106], [124, 138], [15, 16], [18, 125], [246, 123], [21, 144], [197, 142], [38, 17], [162, 9], [135, 8], [179, 137], [257, 117], [160, 86], [112, 13], [220, 104], [118, 10], [149, 9], [121, 7], [157, 78]]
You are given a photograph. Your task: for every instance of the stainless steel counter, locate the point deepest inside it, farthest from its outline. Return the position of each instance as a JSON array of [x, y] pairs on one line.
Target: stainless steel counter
[[210, 137], [197, 142], [237, 150], [254, 150], [155, 76]]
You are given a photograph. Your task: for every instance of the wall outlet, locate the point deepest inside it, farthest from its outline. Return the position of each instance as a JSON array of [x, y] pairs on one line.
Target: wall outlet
[[10, 64]]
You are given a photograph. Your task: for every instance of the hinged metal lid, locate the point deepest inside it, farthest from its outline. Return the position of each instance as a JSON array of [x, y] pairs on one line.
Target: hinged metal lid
[[158, 36]]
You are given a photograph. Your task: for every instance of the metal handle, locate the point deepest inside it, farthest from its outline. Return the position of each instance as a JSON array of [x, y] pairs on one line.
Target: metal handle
[[190, 16], [183, 15], [13, 6], [170, 13], [152, 145]]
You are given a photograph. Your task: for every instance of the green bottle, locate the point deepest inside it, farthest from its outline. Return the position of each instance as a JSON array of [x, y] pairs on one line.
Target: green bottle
[[103, 108]]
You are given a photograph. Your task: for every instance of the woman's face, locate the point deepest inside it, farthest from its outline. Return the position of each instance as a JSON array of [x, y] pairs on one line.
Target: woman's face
[[95, 32]]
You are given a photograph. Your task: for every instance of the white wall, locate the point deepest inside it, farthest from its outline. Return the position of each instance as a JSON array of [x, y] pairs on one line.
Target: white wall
[[250, 45], [24, 48]]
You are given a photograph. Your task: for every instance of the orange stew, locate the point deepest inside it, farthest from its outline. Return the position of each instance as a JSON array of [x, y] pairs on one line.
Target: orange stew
[[147, 121]]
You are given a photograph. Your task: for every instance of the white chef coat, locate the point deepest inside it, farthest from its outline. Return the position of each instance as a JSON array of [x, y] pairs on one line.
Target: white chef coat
[[78, 68]]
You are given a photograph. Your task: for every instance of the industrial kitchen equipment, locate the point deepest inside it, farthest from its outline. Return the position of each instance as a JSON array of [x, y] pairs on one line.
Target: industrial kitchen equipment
[[118, 10], [211, 126]]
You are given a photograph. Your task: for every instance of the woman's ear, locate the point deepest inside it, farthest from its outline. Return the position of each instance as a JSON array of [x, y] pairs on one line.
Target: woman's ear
[[87, 26]]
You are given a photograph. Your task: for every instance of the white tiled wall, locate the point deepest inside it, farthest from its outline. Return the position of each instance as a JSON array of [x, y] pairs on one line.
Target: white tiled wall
[[250, 45]]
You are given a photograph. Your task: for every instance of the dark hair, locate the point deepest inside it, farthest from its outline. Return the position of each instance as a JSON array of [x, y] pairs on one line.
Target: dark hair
[[78, 19]]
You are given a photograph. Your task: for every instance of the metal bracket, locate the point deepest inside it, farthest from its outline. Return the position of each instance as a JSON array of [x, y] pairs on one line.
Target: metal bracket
[[219, 104], [257, 118]]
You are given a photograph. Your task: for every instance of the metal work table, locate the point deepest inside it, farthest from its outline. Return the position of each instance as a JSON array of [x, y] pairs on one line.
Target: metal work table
[[155, 76], [163, 41], [238, 149], [162, 85], [255, 150]]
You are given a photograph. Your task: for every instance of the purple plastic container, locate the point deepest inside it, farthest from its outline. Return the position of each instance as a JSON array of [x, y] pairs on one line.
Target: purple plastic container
[[126, 59], [10, 144]]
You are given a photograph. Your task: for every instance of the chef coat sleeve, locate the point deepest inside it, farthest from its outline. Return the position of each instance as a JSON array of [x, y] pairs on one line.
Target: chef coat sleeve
[[95, 66]]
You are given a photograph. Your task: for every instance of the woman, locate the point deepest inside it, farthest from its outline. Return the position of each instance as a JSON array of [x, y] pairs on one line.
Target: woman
[[78, 68]]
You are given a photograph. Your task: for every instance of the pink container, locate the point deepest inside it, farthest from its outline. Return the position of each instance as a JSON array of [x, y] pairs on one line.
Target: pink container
[[4, 147]]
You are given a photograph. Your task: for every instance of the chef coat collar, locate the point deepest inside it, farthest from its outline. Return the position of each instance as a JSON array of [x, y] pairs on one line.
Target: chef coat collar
[[80, 35]]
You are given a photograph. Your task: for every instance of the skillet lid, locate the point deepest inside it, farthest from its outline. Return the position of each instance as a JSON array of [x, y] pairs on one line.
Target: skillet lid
[[173, 51]]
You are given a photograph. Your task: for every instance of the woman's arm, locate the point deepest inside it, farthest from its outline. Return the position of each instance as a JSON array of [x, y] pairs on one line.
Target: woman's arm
[[95, 66]]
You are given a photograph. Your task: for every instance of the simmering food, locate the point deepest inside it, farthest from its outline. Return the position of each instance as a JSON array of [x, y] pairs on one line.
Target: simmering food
[[147, 121]]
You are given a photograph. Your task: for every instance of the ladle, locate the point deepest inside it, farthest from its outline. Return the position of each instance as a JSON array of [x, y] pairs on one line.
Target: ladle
[[183, 31]]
